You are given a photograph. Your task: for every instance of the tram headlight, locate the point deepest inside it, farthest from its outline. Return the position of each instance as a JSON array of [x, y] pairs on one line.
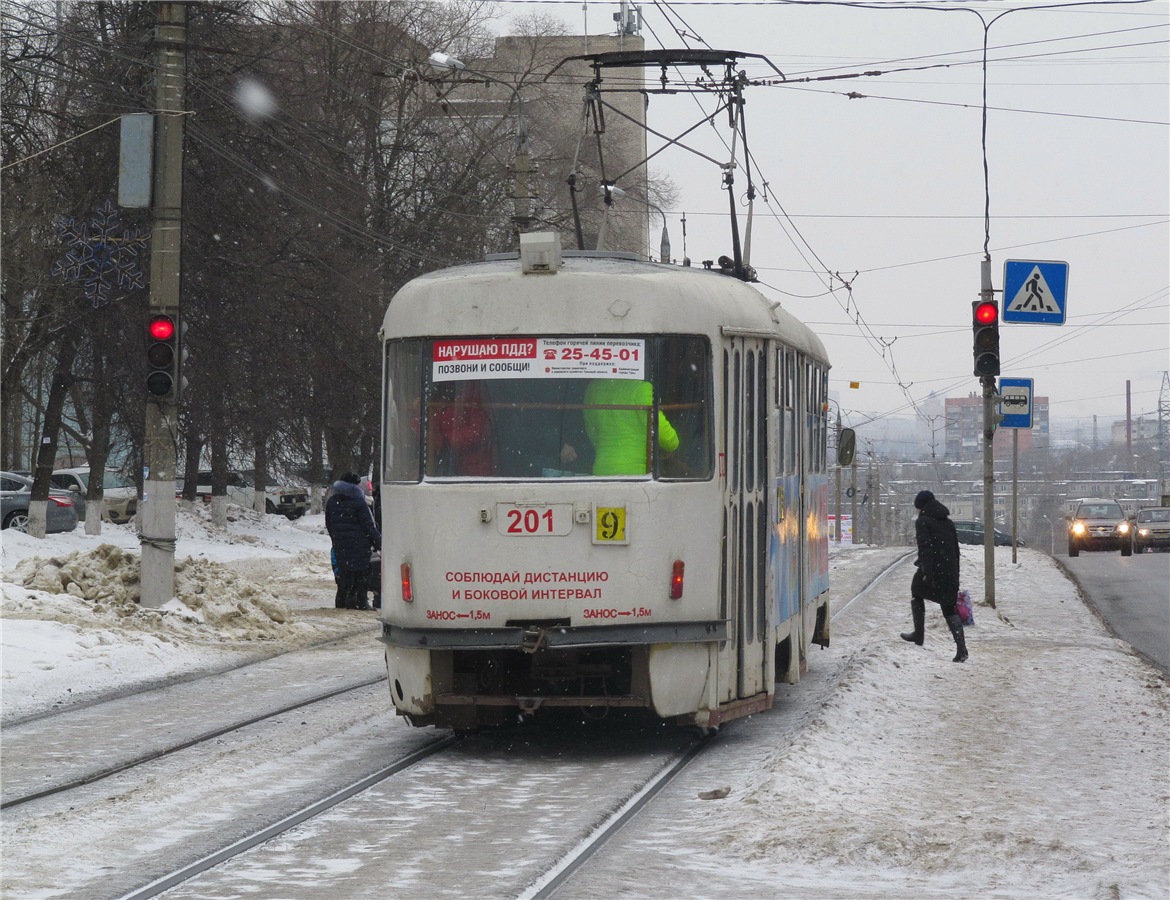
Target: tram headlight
[[676, 580]]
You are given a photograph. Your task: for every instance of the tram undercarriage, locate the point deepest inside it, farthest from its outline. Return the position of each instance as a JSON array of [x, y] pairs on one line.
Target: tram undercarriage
[[488, 686]]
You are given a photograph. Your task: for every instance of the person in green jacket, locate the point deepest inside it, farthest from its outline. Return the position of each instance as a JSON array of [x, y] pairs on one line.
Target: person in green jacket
[[616, 420]]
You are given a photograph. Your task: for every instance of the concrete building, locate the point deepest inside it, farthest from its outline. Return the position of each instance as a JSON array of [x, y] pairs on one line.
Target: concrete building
[[964, 429]]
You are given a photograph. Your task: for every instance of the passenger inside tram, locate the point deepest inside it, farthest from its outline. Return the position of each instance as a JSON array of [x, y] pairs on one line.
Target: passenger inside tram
[[459, 430], [617, 421]]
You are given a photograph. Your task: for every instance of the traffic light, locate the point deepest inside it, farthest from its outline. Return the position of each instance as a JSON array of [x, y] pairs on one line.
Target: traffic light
[[985, 331], [162, 357]]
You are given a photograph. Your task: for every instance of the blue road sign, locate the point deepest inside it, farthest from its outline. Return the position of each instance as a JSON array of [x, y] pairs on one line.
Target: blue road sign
[[1035, 291], [1015, 403]]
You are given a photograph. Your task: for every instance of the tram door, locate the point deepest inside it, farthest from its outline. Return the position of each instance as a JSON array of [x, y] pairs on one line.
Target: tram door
[[746, 532]]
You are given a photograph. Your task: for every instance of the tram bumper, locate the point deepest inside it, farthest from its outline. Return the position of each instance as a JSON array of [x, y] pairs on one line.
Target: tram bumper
[[526, 666]]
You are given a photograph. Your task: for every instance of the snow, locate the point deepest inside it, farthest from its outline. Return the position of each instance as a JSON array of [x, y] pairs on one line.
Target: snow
[[1041, 767], [72, 629]]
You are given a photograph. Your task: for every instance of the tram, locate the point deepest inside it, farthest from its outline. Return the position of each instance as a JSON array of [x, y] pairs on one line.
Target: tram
[[604, 487]]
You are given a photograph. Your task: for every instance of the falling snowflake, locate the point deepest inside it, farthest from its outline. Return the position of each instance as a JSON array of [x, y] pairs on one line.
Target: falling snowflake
[[102, 255]]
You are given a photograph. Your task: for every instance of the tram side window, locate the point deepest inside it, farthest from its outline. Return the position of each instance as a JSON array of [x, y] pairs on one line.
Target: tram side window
[[786, 376], [403, 388], [817, 380]]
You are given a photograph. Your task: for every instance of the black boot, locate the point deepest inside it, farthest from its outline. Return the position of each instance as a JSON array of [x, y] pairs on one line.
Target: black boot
[[918, 611], [956, 624]]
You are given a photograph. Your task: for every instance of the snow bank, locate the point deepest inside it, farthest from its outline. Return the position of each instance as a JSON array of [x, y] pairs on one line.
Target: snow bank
[[73, 629]]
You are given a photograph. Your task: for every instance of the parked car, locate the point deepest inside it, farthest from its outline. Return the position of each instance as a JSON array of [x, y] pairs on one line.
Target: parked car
[[1099, 525], [1151, 529], [291, 502], [972, 533], [119, 493], [15, 493]]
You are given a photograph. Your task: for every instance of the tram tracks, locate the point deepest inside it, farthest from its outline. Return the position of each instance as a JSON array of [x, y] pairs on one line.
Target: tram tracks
[[36, 735], [536, 808], [547, 885], [222, 856]]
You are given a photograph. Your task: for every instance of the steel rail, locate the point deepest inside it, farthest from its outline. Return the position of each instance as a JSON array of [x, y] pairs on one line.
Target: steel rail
[[315, 809], [184, 745], [565, 868]]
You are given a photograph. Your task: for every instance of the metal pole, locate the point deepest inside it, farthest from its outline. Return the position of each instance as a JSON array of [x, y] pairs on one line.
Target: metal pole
[[837, 536], [157, 513], [869, 500], [1015, 485], [855, 531], [988, 461]]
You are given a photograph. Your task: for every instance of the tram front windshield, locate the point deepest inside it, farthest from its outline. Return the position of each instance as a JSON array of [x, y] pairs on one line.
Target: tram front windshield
[[548, 407]]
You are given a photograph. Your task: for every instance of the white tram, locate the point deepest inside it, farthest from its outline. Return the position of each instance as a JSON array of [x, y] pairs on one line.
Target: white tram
[[527, 563]]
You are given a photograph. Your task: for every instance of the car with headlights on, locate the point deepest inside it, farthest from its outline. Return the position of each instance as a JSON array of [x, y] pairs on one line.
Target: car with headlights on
[[1099, 525], [1151, 529], [15, 495]]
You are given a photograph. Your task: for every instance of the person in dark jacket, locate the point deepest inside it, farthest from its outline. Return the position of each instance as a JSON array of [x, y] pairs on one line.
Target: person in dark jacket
[[353, 532], [937, 577]]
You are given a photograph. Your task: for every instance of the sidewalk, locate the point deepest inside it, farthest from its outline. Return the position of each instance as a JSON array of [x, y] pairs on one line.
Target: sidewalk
[[1039, 768]]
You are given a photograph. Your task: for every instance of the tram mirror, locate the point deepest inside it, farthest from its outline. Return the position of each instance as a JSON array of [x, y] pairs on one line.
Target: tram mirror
[[846, 447]]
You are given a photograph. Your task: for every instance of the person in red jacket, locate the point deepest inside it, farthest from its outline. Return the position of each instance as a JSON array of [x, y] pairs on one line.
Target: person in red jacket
[[459, 432]]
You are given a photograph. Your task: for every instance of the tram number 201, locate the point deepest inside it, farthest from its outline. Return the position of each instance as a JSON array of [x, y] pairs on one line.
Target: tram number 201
[[534, 521]]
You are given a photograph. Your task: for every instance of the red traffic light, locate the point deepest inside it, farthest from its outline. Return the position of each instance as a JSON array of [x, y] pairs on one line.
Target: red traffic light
[[987, 312], [162, 357], [162, 328]]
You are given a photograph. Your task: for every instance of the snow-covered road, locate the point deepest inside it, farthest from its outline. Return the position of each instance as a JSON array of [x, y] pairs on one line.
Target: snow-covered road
[[1039, 768]]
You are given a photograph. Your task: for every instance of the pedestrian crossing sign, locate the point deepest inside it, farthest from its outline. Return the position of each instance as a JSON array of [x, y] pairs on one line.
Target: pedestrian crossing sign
[[1035, 291]]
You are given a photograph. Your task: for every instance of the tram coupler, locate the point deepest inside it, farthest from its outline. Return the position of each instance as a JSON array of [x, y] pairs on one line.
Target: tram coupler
[[534, 639]]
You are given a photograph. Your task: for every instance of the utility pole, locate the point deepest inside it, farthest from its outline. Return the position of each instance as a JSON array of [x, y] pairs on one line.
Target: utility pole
[[157, 513], [856, 529], [869, 500], [986, 294], [837, 535]]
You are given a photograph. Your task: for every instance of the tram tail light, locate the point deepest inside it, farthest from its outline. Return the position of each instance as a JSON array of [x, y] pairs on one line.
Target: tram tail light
[[407, 587], [676, 580]]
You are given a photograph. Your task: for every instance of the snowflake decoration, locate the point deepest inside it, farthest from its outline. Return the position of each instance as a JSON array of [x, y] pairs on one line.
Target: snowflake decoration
[[101, 255]]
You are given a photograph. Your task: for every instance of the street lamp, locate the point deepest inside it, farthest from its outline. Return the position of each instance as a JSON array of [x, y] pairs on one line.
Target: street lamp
[[439, 60], [611, 191], [521, 209]]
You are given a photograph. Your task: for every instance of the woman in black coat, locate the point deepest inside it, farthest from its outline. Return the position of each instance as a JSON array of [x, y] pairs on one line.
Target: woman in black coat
[[353, 532], [937, 578]]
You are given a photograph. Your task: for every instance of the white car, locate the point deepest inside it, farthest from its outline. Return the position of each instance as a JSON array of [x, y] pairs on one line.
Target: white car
[[119, 493], [291, 502]]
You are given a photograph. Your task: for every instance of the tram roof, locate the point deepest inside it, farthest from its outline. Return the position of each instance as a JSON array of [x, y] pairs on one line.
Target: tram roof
[[607, 294]]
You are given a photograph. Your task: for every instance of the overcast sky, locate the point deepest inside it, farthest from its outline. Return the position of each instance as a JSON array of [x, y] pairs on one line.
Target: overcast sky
[[874, 231]]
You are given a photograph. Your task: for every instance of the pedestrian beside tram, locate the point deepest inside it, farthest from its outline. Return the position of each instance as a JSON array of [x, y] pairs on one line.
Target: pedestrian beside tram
[[354, 534], [937, 576]]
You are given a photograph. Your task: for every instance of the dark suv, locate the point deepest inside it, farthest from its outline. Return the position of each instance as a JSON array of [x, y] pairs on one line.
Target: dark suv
[[1099, 525], [972, 533]]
